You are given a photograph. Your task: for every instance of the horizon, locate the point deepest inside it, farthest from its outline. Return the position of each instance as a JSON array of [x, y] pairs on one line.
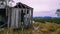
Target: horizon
[[44, 16]]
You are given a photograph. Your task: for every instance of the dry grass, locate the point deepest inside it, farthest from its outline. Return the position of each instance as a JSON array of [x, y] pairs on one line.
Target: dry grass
[[44, 28]]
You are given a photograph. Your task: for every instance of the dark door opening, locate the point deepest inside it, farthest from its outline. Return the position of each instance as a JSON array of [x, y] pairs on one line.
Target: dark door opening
[[22, 16], [3, 18]]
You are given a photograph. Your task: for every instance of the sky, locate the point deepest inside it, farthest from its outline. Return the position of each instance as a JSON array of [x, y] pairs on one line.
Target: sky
[[42, 7]]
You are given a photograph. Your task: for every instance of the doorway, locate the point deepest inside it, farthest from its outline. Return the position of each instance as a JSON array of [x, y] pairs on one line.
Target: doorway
[[3, 18]]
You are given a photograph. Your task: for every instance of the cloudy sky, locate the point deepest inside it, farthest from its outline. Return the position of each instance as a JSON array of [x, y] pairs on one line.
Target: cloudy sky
[[42, 7]]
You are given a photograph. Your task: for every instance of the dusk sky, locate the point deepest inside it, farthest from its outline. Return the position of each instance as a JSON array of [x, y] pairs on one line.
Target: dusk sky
[[42, 7]]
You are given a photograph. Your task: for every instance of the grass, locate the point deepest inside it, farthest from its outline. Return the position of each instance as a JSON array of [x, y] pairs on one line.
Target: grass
[[44, 28]]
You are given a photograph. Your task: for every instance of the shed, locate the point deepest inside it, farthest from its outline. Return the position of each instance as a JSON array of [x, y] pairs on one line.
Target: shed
[[18, 16]]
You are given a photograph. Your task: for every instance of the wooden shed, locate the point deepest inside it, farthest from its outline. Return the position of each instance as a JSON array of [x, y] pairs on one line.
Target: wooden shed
[[18, 16]]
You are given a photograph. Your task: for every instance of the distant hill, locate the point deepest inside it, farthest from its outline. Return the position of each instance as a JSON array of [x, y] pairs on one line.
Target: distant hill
[[47, 17], [43, 17]]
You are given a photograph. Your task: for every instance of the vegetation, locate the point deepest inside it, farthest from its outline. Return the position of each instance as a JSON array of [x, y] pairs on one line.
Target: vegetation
[[43, 20], [44, 28]]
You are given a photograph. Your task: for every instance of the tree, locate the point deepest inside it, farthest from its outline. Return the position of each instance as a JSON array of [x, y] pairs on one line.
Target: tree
[[58, 12]]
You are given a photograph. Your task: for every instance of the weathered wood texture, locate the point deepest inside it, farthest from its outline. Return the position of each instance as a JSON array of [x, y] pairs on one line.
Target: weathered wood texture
[[16, 17]]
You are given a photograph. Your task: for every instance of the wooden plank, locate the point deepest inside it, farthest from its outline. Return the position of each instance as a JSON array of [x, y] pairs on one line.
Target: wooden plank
[[8, 17], [17, 18], [31, 14], [26, 17], [13, 18]]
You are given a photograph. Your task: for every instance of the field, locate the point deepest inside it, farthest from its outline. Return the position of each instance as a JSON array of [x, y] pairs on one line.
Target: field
[[44, 28]]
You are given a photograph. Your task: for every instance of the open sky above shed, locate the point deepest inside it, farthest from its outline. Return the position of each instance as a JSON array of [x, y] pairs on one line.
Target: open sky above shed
[[42, 7]]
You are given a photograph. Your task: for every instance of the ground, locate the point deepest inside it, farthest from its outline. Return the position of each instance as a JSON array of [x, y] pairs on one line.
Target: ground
[[44, 28]]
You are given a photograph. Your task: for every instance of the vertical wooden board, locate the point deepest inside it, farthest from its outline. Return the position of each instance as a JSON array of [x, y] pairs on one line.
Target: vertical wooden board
[[32, 14], [6, 12], [17, 18], [26, 17], [8, 17], [13, 18], [30, 18]]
